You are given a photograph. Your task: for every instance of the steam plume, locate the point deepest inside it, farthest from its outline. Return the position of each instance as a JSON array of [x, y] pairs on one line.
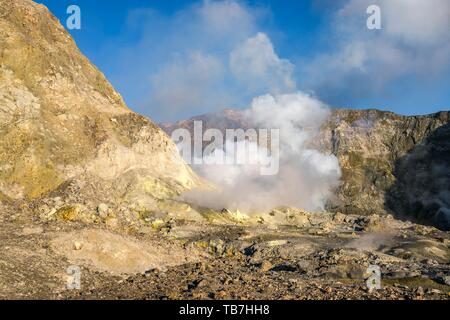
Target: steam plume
[[306, 177]]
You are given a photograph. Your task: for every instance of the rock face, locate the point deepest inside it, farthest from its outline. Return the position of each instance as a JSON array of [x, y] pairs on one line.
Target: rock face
[[372, 147], [422, 187], [392, 163], [63, 127]]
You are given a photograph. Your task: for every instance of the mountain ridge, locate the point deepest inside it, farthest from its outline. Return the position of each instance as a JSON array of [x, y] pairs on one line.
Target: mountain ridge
[[62, 122]]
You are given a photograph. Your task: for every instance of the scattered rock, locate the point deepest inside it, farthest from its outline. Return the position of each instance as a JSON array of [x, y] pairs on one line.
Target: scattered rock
[[68, 213], [276, 243], [339, 217], [158, 224], [419, 291], [434, 291], [77, 245], [28, 231], [112, 223], [444, 280], [103, 210], [265, 266]]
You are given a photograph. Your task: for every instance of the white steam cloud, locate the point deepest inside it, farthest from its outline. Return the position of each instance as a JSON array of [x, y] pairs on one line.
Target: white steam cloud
[[256, 66], [306, 177]]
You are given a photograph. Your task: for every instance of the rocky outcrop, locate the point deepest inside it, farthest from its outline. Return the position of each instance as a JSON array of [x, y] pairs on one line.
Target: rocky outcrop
[[64, 129], [369, 145], [389, 162]]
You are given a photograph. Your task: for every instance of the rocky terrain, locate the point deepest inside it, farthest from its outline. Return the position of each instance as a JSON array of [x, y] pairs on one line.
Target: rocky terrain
[[63, 125], [378, 152], [284, 254], [85, 183]]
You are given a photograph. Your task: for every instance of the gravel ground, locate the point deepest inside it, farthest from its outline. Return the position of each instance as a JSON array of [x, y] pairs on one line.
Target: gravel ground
[[225, 262]]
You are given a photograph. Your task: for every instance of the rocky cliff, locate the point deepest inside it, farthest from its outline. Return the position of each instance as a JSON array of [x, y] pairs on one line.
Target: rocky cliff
[[389, 162], [372, 147], [64, 130]]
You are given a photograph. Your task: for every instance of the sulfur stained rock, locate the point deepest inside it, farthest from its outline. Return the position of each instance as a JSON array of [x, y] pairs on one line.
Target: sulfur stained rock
[[158, 224], [65, 131], [68, 213]]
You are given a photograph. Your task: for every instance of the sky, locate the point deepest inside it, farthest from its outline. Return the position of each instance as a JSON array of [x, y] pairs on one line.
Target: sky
[[174, 59]]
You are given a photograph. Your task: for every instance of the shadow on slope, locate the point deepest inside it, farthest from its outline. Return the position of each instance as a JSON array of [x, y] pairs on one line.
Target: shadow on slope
[[422, 189]]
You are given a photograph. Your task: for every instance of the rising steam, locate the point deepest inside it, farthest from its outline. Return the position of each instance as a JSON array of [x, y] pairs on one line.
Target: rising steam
[[306, 178]]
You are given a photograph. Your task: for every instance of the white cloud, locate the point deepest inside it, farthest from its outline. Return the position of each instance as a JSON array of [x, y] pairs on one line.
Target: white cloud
[[177, 65], [186, 82], [205, 58], [225, 17], [200, 81], [346, 64], [414, 22], [417, 22], [257, 67], [414, 41]]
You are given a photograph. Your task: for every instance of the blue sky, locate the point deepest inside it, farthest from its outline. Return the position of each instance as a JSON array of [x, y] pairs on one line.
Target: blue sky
[[178, 58]]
